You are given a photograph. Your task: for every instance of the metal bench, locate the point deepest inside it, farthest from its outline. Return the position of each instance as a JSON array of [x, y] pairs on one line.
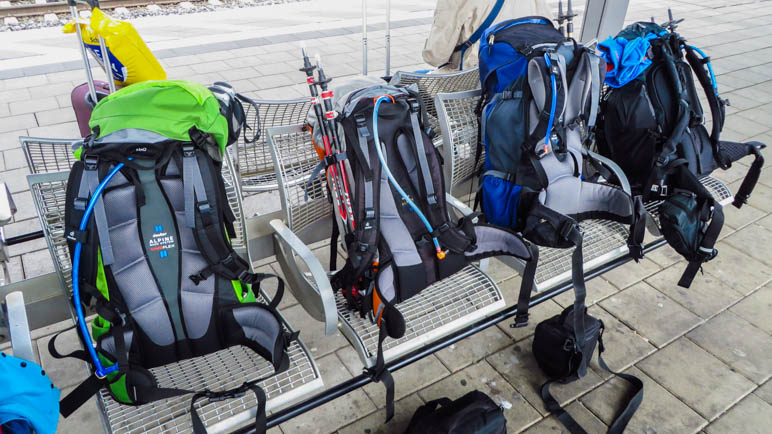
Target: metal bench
[[54, 155], [221, 370], [604, 240], [447, 306], [432, 84], [253, 161]]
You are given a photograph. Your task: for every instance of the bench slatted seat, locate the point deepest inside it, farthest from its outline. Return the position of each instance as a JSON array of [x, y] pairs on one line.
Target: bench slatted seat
[[437, 311], [217, 371], [604, 240], [253, 160], [429, 85]]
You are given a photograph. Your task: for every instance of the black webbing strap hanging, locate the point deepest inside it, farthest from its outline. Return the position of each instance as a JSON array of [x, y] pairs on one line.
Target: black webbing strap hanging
[[713, 211], [526, 288], [620, 422], [752, 177], [380, 374], [260, 418]]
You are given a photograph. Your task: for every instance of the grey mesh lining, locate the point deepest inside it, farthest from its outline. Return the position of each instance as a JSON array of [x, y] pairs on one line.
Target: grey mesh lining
[[490, 239], [259, 325], [407, 153], [131, 135], [386, 283], [130, 269], [107, 345], [570, 195], [393, 229]]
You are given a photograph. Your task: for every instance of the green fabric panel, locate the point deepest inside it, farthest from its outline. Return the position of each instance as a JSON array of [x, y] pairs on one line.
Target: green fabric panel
[[167, 107], [101, 280], [99, 326]]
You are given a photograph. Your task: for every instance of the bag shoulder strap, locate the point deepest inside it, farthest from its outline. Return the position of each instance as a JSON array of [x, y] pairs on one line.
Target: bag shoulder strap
[[479, 32]]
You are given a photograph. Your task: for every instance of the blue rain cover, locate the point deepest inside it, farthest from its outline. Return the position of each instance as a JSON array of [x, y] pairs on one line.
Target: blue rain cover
[[625, 59], [27, 394]]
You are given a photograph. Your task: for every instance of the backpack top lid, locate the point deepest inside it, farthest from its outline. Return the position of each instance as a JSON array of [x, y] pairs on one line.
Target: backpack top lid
[[502, 48], [168, 108]]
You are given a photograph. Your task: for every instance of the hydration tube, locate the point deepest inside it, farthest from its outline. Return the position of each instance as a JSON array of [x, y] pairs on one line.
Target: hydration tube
[[393, 181], [710, 68], [554, 101], [101, 372]]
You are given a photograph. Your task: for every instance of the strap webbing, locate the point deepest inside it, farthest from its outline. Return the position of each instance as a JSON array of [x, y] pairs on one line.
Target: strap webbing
[[100, 217], [380, 374], [752, 177], [260, 418], [193, 184], [431, 196], [706, 246], [526, 287], [620, 422], [478, 33]]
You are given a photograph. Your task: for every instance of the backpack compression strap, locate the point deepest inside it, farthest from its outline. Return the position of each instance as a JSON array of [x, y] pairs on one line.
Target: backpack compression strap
[[716, 104], [87, 187], [710, 211], [670, 147]]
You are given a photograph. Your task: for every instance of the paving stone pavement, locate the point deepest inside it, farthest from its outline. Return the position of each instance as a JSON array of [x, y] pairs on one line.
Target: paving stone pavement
[[703, 353]]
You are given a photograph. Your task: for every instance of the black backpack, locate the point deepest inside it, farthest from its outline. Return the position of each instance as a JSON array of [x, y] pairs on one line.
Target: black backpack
[[473, 413], [404, 239], [653, 128]]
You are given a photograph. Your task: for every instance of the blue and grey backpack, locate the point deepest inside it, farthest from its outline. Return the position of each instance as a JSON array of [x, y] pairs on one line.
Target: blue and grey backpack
[[540, 101]]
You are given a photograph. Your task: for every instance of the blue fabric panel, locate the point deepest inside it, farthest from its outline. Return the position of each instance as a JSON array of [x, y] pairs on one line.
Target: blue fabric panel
[[626, 59], [499, 201], [27, 394]]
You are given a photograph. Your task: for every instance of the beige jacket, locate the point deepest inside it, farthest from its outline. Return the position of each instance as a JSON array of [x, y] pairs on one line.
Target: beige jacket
[[456, 20]]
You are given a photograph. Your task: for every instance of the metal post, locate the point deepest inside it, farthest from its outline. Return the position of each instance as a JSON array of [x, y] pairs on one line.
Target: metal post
[[86, 63], [106, 64], [388, 38], [364, 37], [602, 18]]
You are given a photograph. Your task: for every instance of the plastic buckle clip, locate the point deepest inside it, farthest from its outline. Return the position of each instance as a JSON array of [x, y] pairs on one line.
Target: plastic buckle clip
[[521, 320], [91, 162], [566, 228], [188, 151]]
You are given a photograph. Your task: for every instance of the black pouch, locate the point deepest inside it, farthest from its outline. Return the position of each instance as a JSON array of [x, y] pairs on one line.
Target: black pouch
[[473, 413], [563, 346]]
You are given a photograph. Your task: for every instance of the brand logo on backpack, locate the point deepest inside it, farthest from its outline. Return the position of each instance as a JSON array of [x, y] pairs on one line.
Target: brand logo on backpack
[[161, 241], [141, 149]]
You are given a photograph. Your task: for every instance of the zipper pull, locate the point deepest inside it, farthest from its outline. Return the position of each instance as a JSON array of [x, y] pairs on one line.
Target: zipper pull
[[490, 42]]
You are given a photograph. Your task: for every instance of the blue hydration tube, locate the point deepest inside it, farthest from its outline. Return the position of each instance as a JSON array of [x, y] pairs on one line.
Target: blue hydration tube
[[710, 68], [554, 101], [394, 183], [100, 372]]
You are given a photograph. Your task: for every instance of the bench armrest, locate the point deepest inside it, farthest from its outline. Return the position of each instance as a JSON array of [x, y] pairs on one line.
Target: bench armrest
[[19, 327], [315, 295]]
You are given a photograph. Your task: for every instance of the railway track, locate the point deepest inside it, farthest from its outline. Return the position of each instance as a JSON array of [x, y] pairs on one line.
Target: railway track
[[25, 10]]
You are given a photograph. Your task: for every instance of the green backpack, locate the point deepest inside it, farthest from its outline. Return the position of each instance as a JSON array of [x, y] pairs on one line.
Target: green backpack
[[147, 220]]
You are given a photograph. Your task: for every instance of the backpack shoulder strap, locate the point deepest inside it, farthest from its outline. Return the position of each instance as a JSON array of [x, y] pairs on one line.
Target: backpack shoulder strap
[[478, 33]]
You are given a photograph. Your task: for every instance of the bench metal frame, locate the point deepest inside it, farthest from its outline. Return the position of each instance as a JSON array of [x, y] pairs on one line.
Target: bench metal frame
[[437, 311], [224, 369]]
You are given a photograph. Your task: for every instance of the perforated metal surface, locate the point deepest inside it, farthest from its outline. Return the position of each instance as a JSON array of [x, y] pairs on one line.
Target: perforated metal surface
[[233, 192], [458, 124], [48, 193], [432, 84], [225, 369], [295, 159], [436, 311], [255, 166]]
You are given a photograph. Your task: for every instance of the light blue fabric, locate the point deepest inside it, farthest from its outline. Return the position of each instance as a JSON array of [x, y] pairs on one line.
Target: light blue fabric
[[26, 393], [625, 59]]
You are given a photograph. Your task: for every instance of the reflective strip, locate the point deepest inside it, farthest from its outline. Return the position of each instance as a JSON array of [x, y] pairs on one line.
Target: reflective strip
[[423, 163], [100, 218], [193, 184]]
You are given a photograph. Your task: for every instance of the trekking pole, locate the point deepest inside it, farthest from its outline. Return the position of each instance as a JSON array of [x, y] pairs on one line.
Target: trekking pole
[[364, 37], [570, 20], [335, 185], [561, 18], [332, 131], [388, 38]]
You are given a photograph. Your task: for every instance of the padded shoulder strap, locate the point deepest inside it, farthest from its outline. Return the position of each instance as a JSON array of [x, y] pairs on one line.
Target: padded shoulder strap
[[716, 104]]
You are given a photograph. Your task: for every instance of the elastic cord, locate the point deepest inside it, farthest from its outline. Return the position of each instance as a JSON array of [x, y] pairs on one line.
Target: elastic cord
[[392, 180], [101, 372]]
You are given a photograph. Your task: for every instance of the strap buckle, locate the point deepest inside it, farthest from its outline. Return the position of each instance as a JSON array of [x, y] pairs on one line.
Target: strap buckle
[[362, 126], [203, 207], [188, 151], [91, 162], [414, 106], [566, 227], [521, 320], [228, 394]]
